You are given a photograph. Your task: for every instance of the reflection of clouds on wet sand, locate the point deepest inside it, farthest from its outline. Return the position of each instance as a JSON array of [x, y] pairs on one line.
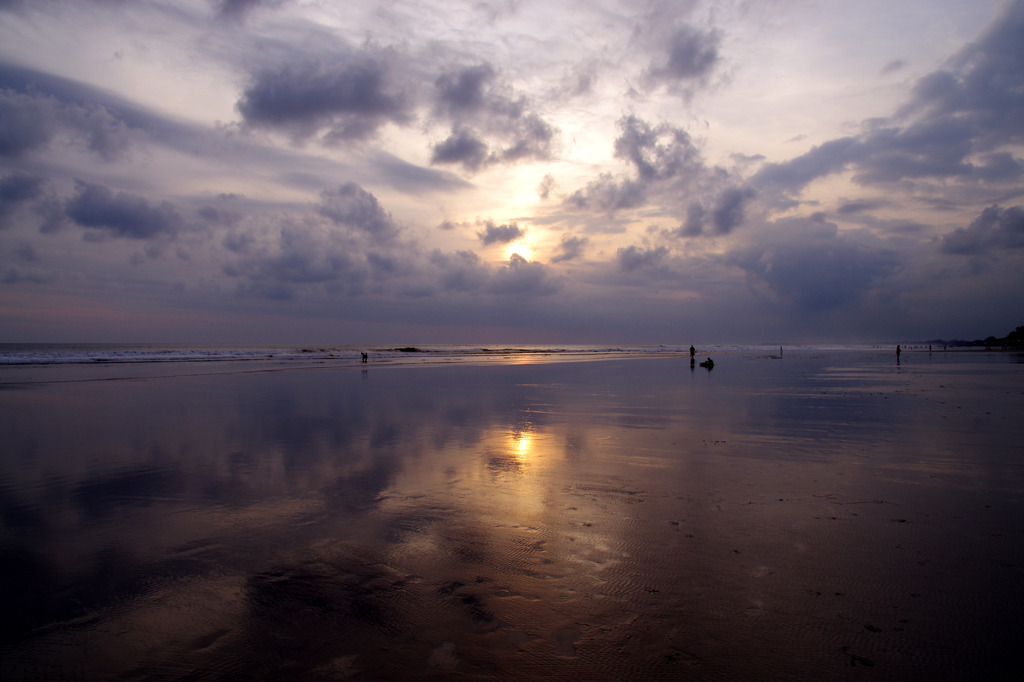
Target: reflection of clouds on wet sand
[[617, 520]]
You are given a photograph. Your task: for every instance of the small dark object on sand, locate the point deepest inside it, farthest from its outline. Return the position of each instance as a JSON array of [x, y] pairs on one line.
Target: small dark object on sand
[[709, 363]]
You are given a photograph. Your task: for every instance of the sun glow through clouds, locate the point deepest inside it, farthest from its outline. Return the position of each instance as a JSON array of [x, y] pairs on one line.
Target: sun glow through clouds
[[520, 249]]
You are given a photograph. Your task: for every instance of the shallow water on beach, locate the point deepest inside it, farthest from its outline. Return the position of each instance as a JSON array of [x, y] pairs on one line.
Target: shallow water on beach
[[827, 515]]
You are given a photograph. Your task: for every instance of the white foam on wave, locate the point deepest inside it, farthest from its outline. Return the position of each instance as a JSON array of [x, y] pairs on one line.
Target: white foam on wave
[[52, 354]]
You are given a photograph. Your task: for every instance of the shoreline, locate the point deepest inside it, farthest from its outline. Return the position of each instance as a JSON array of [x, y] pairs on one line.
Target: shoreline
[[26, 374]]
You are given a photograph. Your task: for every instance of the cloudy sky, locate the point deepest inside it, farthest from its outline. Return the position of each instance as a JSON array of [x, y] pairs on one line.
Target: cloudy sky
[[608, 171]]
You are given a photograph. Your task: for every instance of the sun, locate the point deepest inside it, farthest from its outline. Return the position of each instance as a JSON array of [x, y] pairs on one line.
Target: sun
[[522, 249]]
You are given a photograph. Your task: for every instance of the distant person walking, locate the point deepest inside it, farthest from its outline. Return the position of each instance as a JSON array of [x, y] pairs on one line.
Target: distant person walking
[[898, 351], [693, 351]]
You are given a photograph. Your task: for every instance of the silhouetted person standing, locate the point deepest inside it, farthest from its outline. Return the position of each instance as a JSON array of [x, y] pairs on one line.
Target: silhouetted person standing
[[693, 351], [898, 351]]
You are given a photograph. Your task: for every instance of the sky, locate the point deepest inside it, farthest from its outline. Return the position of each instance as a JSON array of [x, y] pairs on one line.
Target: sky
[[528, 171]]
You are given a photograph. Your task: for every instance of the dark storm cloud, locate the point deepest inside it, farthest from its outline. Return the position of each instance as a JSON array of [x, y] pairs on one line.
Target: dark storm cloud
[[414, 179], [239, 242], [460, 271], [27, 272], [669, 169], [608, 195], [352, 206], [668, 166], [691, 55], [531, 138], [349, 96], [463, 92], [996, 229], [982, 84], [934, 148], [957, 124], [633, 257], [50, 209], [310, 260], [474, 94], [461, 147], [520, 277], [728, 213], [570, 248], [26, 123], [999, 167], [100, 130], [37, 108], [17, 190], [464, 272], [300, 257], [235, 8], [490, 124], [696, 216], [656, 152], [860, 206], [342, 98], [500, 234], [524, 138], [219, 216], [121, 214], [240, 9], [822, 160], [809, 264]]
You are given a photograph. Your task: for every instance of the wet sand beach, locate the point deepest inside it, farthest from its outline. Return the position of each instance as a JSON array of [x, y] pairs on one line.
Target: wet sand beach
[[826, 515]]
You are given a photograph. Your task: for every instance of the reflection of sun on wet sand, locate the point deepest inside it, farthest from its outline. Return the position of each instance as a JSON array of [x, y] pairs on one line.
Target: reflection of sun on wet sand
[[522, 443]]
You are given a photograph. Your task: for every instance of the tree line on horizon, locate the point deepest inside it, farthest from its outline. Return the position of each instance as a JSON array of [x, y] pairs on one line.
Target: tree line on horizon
[[1014, 339]]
